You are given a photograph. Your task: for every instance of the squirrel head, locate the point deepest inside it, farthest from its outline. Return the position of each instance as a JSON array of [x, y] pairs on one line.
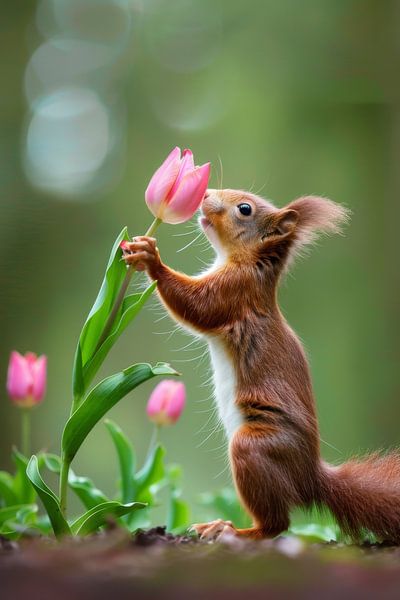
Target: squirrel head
[[241, 225]]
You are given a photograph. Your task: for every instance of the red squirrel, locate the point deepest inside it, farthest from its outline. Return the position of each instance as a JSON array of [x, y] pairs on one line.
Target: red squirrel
[[262, 380]]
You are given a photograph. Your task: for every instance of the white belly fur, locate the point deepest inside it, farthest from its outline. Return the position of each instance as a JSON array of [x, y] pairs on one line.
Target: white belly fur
[[224, 386], [223, 371]]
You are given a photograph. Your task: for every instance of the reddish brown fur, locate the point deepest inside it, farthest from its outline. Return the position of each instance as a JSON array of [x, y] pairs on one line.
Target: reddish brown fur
[[275, 454]]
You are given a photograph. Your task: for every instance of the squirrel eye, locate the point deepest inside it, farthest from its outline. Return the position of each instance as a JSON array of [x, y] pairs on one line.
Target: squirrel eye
[[244, 209]]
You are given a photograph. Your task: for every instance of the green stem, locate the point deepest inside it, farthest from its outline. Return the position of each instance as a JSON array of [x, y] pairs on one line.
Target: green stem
[[26, 432], [103, 336], [64, 485], [121, 294], [153, 440]]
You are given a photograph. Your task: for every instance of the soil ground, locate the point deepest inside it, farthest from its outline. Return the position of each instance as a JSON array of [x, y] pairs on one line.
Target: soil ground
[[157, 565]]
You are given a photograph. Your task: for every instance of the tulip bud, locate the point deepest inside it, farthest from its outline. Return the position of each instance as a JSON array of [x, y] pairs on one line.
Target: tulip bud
[[166, 402], [177, 188], [26, 379]]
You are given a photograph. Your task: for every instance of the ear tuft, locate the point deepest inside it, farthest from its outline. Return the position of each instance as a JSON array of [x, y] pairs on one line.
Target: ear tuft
[[285, 221], [317, 215]]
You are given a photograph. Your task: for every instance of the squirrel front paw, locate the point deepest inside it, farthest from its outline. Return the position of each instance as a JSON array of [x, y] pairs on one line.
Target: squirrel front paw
[[142, 252]]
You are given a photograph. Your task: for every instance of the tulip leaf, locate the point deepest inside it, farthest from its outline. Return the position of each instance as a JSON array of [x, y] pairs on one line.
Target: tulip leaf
[[103, 397], [131, 305], [7, 492], [48, 498], [15, 512], [86, 491], [98, 516], [51, 461], [18, 520], [126, 457], [225, 502], [139, 520], [83, 487], [152, 472], [23, 489], [315, 532], [178, 517], [115, 273], [78, 386], [27, 514]]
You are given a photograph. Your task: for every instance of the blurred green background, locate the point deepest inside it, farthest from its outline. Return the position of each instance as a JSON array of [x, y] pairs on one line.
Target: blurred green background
[[289, 97]]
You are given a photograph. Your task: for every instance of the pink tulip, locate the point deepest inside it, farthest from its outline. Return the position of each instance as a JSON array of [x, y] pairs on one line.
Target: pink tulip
[[166, 402], [177, 188], [26, 378]]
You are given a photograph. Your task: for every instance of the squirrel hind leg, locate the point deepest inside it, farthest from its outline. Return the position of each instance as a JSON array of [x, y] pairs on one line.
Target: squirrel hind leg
[[254, 533]]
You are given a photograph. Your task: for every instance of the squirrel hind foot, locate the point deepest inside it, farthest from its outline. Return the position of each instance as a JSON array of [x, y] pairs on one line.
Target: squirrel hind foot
[[214, 530], [219, 529]]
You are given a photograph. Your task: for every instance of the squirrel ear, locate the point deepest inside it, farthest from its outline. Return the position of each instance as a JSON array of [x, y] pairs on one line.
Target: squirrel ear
[[285, 222], [317, 215]]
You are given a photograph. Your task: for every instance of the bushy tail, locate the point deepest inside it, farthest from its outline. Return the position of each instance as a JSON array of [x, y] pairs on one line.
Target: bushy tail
[[365, 495]]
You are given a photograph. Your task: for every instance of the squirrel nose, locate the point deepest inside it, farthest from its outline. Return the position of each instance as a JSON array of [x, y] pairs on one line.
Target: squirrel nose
[[212, 203]]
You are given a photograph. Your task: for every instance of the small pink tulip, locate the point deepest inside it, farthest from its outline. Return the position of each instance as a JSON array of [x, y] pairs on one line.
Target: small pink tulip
[[166, 402], [177, 188], [26, 378]]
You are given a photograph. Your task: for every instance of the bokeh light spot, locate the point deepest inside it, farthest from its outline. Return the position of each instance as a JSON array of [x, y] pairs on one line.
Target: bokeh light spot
[[67, 140]]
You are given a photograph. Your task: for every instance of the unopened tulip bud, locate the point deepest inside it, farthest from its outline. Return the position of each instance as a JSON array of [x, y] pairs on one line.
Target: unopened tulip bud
[[166, 402], [26, 379], [177, 188]]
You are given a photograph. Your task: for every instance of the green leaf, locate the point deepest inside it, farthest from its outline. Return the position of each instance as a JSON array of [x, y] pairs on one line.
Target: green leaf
[[97, 516], [314, 533], [51, 461], [27, 514], [11, 512], [86, 490], [24, 522], [139, 520], [151, 473], [178, 517], [126, 458], [48, 498], [131, 305], [9, 531], [103, 397], [19, 520], [7, 492], [43, 524], [23, 489], [115, 273], [78, 385], [83, 487], [225, 504]]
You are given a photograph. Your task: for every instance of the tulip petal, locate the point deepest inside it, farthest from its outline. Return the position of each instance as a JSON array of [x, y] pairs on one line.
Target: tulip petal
[[156, 401], [162, 182], [39, 371], [177, 400], [187, 165], [188, 196], [30, 358], [166, 402], [19, 378]]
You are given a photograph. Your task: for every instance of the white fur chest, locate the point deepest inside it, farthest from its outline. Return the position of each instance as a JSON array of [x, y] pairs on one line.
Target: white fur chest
[[225, 386]]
